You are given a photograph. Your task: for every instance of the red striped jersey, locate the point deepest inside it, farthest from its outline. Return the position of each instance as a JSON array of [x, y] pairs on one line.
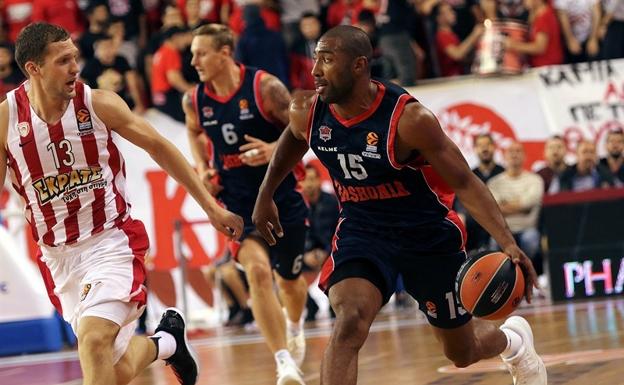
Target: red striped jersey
[[70, 174]]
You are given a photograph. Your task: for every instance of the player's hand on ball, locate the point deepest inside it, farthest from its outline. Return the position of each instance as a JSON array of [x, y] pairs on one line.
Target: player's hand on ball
[[266, 219], [519, 257], [256, 152]]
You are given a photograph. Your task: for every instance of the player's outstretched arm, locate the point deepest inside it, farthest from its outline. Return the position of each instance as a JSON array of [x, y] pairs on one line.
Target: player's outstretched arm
[[291, 146], [419, 130], [117, 116]]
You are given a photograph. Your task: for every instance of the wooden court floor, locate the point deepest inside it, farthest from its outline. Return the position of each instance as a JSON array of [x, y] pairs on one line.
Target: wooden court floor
[[581, 343]]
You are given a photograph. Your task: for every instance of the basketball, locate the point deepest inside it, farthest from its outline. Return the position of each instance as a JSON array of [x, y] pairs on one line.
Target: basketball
[[490, 285]]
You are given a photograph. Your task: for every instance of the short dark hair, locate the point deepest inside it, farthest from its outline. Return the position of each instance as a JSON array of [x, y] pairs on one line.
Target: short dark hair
[[353, 40], [221, 35], [32, 43], [482, 135]]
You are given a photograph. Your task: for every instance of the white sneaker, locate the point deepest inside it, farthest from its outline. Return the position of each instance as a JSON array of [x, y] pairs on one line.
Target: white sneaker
[[526, 367], [296, 344], [288, 373]]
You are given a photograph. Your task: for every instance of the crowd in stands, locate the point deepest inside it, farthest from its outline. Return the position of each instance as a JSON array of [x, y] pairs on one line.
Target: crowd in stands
[[141, 48]]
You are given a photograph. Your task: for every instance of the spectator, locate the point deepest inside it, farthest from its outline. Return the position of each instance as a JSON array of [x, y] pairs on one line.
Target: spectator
[[512, 10], [171, 17], [380, 65], [64, 13], [269, 15], [467, 14], [193, 13], [97, 16], [544, 45], [614, 161], [293, 12], [519, 195], [302, 52], [612, 29], [257, 41], [323, 216], [208, 11], [15, 14], [132, 14], [107, 62], [580, 21], [478, 238], [395, 42], [587, 173], [168, 83], [343, 12], [554, 154], [451, 52], [10, 75], [489, 9]]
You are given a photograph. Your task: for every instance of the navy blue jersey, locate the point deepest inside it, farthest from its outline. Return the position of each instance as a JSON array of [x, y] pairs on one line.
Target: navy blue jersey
[[226, 121], [374, 189]]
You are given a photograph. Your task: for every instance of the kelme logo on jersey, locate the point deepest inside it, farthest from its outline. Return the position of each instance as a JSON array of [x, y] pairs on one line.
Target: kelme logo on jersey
[[23, 128], [69, 184], [83, 117], [243, 104], [325, 133]]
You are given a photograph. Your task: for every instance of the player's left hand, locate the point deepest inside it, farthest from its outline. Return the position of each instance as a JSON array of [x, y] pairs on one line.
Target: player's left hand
[[266, 219], [256, 152], [226, 222], [530, 276]]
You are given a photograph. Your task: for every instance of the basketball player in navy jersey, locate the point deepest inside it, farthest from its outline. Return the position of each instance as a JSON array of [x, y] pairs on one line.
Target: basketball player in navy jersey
[[56, 139], [242, 111], [393, 169]]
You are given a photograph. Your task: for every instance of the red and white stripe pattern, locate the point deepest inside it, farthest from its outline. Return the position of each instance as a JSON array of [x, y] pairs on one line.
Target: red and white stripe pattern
[[57, 151]]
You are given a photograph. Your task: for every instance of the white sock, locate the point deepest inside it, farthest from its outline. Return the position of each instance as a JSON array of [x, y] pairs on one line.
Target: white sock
[[294, 328], [514, 343], [282, 355], [166, 344]]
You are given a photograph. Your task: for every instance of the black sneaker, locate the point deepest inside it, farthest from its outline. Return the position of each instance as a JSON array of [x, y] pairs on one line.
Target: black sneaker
[[183, 361]]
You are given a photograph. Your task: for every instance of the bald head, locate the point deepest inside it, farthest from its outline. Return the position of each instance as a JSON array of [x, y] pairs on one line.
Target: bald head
[[351, 40]]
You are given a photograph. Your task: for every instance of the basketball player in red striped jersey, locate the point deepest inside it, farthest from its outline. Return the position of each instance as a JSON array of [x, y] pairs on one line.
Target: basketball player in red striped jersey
[[55, 135], [394, 172]]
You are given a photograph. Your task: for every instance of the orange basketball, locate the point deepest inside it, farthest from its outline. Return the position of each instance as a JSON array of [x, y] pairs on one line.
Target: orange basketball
[[490, 285]]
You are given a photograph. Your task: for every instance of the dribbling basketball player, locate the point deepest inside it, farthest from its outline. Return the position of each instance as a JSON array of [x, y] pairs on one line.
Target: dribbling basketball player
[[394, 171]]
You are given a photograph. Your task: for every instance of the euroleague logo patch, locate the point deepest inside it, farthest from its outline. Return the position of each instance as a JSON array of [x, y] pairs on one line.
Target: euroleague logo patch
[[83, 118]]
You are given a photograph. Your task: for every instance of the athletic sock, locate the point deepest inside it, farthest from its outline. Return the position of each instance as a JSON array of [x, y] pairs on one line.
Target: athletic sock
[[514, 344], [165, 345]]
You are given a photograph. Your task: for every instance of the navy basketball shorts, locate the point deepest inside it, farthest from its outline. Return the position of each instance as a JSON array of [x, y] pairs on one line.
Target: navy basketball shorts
[[286, 255], [428, 260]]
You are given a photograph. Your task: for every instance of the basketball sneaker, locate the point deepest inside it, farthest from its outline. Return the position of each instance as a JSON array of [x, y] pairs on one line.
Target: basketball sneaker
[[288, 373], [296, 344], [184, 361], [526, 367]]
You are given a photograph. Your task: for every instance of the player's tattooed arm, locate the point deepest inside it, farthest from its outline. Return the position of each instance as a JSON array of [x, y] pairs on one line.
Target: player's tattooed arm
[[275, 99]]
